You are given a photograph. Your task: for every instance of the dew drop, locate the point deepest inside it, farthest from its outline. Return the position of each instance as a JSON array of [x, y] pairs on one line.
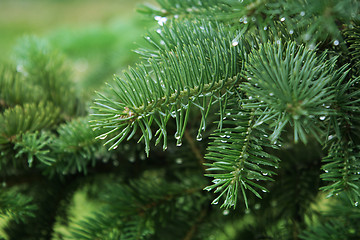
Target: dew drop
[[302, 13], [179, 161], [226, 212], [356, 204], [177, 135], [103, 137], [282, 19], [199, 137], [250, 97], [291, 31], [322, 118], [179, 142], [234, 43], [257, 206], [4, 184], [158, 30], [271, 94], [265, 28], [216, 201], [336, 42]]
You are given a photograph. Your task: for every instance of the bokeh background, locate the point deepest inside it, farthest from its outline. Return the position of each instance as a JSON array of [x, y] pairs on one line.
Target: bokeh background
[[98, 37]]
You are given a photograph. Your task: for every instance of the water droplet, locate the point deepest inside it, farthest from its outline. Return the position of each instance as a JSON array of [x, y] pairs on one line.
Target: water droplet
[[336, 42], [282, 19], [326, 171], [179, 161], [176, 16], [356, 204], [278, 41], [103, 137], [226, 212], [162, 42], [158, 30], [179, 142], [4, 184], [302, 13], [312, 46], [247, 211], [177, 135], [263, 190], [234, 43], [250, 97], [291, 31], [271, 94], [322, 118], [116, 163], [257, 206], [216, 201], [265, 174], [199, 137]]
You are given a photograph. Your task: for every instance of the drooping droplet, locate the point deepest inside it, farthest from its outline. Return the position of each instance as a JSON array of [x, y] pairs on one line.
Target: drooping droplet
[[291, 31], [302, 13], [226, 212], [103, 137], [199, 137], [271, 94], [177, 135], [322, 118], [234, 43], [178, 142], [265, 28], [336, 42], [282, 19]]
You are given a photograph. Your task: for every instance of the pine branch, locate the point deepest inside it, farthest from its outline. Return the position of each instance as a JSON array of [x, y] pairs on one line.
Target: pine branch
[[191, 74], [16, 206], [342, 170], [290, 85], [238, 158]]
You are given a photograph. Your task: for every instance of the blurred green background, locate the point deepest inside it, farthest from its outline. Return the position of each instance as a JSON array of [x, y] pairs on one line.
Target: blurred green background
[[96, 36]]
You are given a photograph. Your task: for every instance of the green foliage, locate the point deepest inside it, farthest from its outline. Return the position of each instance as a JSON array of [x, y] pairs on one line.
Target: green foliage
[[291, 85], [47, 70], [269, 89], [171, 83], [16, 206], [143, 207], [239, 158], [29, 118], [33, 145]]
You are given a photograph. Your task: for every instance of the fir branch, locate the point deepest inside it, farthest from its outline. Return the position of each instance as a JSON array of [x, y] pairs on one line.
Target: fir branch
[[16, 206], [173, 83], [28, 118], [342, 170], [290, 85], [34, 145], [238, 158]]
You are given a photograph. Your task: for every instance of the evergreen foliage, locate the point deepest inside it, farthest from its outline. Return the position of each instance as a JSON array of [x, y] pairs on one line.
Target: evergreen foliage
[[270, 91]]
